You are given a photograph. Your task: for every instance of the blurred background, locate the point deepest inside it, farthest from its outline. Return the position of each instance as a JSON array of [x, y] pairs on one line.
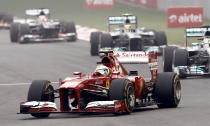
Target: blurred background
[[152, 14]]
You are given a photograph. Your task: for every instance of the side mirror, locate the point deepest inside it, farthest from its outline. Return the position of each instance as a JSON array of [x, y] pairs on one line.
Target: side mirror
[[78, 73]]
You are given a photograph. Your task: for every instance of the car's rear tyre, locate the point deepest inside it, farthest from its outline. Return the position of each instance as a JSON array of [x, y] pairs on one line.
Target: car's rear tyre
[[168, 53], [123, 90], [160, 38], [69, 27], [41, 90], [106, 40], [95, 37], [14, 32], [167, 90], [136, 44]]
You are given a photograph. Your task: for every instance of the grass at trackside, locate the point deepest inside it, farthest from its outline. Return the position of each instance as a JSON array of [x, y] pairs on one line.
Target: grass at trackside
[[74, 10]]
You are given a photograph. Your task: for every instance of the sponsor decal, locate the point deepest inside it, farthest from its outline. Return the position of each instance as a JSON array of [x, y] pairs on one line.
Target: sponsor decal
[[132, 57], [153, 65], [131, 54], [98, 4], [117, 105], [81, 85], [185, 17], [99, 82], [144, 3]]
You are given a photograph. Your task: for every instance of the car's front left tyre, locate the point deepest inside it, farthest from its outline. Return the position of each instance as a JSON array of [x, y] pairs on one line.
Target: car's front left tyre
[[41, 90]]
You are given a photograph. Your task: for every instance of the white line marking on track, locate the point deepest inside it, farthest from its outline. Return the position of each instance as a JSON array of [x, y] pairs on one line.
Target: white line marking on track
[[20, 84]]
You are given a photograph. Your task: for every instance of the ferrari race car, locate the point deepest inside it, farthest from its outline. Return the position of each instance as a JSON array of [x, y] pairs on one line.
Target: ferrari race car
[[41, 28], [190, 61], [5, 20], [123, 32], [110, 88]]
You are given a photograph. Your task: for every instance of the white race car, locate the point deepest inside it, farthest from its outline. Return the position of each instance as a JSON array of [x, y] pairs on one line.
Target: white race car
[[123, 32], [40, 27], [193, 60]]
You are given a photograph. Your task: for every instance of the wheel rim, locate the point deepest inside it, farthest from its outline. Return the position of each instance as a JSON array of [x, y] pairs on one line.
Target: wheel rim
[[131, 97], [177, 92], [49, 96], [163, 59]]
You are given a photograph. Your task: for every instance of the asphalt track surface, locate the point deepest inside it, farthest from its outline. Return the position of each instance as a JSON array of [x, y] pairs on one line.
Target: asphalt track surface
[[22, 63]]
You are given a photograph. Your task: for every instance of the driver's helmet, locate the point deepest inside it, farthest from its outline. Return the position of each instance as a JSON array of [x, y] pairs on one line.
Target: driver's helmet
[[127, 27], [42, 19], [103, 70], [207, 34]]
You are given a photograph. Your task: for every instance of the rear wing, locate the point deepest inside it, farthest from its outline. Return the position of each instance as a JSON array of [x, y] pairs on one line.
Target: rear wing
[[36, 12], [129, 57], [121, 20], [132, 57], [140, 57], [195, 32]]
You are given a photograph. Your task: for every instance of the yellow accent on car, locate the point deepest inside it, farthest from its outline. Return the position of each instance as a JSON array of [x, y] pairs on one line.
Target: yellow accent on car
[[127, 14]]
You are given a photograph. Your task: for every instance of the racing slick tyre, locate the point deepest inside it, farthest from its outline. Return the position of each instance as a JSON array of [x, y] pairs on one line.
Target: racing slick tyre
[[41, 90], [167, 90], [180, 59], [24, 29], [14, 32], [95, 37], [209, 66], [160, 38], [168, 53], [123, 90], [69, 27], [106, 40], [136, 44]]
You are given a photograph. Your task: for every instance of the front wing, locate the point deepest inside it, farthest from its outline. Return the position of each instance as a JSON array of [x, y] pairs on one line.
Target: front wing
[[37, 38], [186, 71], [50, 107]]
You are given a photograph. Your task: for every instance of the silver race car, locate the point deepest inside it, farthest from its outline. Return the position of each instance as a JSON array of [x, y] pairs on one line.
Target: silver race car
[[193, 60], [39, 27], [123, 32]]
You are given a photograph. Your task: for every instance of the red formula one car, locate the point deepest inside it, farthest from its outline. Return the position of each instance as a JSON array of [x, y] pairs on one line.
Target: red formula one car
[[109, 89]]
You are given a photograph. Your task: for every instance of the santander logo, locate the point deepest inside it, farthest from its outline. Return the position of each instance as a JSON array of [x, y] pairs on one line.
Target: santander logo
[[186, 18]]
